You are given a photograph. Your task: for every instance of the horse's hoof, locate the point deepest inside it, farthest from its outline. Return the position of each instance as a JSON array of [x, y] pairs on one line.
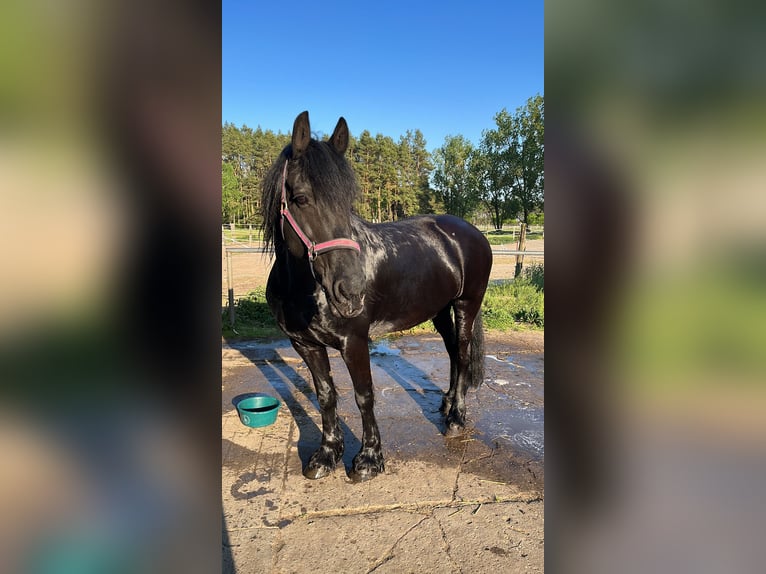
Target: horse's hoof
[[366, 466], [362, 476], [322, 463], [315, 472], [454, 423], [454, 430]]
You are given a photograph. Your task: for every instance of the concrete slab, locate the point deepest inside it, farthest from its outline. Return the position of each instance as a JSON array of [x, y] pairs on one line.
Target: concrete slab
[[504, 538], [343, 543]]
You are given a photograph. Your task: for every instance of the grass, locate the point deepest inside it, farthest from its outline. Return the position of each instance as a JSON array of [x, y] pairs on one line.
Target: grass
[[253, 318], [242, 234], [518, 303], [508, 305], [506, 237]]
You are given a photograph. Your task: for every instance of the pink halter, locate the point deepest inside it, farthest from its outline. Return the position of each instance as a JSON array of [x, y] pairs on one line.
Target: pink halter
[[314, 249]]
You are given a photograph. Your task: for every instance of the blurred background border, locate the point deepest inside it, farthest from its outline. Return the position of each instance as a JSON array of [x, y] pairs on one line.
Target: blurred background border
[[110, 322]]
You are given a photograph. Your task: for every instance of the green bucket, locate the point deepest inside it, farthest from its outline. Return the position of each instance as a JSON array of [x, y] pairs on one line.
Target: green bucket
[[258, 411]]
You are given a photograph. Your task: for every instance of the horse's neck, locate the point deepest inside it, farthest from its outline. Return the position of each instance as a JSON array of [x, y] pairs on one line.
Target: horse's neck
[[294, 273], [359, 226]]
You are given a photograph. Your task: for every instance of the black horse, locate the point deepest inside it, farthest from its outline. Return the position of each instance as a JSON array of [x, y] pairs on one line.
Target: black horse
[[337, 280]]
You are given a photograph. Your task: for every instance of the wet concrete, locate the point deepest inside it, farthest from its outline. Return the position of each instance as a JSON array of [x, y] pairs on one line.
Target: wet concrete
[[429, 480]]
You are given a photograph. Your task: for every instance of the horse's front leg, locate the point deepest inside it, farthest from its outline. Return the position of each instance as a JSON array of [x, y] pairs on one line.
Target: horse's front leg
[[323, 461], [369, 461]]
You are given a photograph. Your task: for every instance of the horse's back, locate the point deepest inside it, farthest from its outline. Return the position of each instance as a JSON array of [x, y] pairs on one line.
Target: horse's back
[[426, 243], [467, 234], [474, 250], [421, 265]]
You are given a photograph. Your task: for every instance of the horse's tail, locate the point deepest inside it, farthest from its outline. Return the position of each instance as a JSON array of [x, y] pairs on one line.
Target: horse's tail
[[476, 369]]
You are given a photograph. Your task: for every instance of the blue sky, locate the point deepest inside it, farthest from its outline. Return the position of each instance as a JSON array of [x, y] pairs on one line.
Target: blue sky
[[445, 68]]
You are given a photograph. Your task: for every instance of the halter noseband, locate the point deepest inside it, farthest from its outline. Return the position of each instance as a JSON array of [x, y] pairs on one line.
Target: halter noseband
[[314, 249]]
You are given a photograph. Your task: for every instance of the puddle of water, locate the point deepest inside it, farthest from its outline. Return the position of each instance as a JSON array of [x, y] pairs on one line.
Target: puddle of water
[[532, 364], [531, 441], [508, 360], [523, 428], [258, 345], [382, 348]]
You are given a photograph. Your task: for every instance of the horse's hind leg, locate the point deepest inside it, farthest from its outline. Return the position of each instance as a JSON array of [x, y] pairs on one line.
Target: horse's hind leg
[[323, 461], [446, 327], [465, 315]]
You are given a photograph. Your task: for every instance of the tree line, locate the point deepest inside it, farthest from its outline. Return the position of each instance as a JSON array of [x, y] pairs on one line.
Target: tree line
[[501, 179]]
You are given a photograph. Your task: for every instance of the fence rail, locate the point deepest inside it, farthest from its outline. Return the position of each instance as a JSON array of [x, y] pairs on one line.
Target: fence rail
[[517, 252], [246, 249], [232, 250], [249, 234]]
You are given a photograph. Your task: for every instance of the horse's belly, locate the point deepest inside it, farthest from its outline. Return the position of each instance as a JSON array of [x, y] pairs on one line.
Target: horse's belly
[[407, 316], [410, 297], [378, 328]]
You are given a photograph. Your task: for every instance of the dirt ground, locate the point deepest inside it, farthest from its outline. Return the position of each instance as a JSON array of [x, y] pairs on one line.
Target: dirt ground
[[468, 504], [251, 270]]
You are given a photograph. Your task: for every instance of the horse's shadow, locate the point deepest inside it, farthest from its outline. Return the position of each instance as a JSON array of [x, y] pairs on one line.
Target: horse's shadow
[[418, 386], [288, 384]]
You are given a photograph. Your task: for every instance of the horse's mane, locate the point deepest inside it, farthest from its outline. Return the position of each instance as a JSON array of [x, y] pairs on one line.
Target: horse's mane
[[332, 180]]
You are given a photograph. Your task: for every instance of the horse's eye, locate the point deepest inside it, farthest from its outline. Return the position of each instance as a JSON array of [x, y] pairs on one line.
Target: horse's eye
[[301, 200]]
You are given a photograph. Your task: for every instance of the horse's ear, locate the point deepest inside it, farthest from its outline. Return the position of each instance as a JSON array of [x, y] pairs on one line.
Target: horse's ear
[[301, 134], [339, 137]]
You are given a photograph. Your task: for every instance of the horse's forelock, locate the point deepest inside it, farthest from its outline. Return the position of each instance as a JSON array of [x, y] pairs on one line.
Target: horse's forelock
[[331, 176]]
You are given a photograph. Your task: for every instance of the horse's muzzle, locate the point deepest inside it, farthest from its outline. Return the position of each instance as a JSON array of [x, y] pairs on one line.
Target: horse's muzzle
[[345, 303]]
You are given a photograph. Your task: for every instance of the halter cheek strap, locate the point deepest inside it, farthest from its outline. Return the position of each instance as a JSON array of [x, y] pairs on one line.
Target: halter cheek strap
[[314, 249]]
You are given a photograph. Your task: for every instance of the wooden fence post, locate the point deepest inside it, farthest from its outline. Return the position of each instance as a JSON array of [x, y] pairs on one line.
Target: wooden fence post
[[230, 285], [521, 247]]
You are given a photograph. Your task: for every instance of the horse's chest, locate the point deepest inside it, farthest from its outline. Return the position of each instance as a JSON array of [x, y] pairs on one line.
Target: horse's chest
[[306, 316]]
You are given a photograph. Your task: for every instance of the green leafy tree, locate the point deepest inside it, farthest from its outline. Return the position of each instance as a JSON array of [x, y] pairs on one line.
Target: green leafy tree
[[517, 147], [510, 172], [530, 184], [453, 183], [487, 173], [492, 174], [529, 175]]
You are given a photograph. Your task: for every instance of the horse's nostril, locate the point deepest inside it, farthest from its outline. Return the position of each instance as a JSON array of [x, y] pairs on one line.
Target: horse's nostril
[[341, 291], [349, 303]]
